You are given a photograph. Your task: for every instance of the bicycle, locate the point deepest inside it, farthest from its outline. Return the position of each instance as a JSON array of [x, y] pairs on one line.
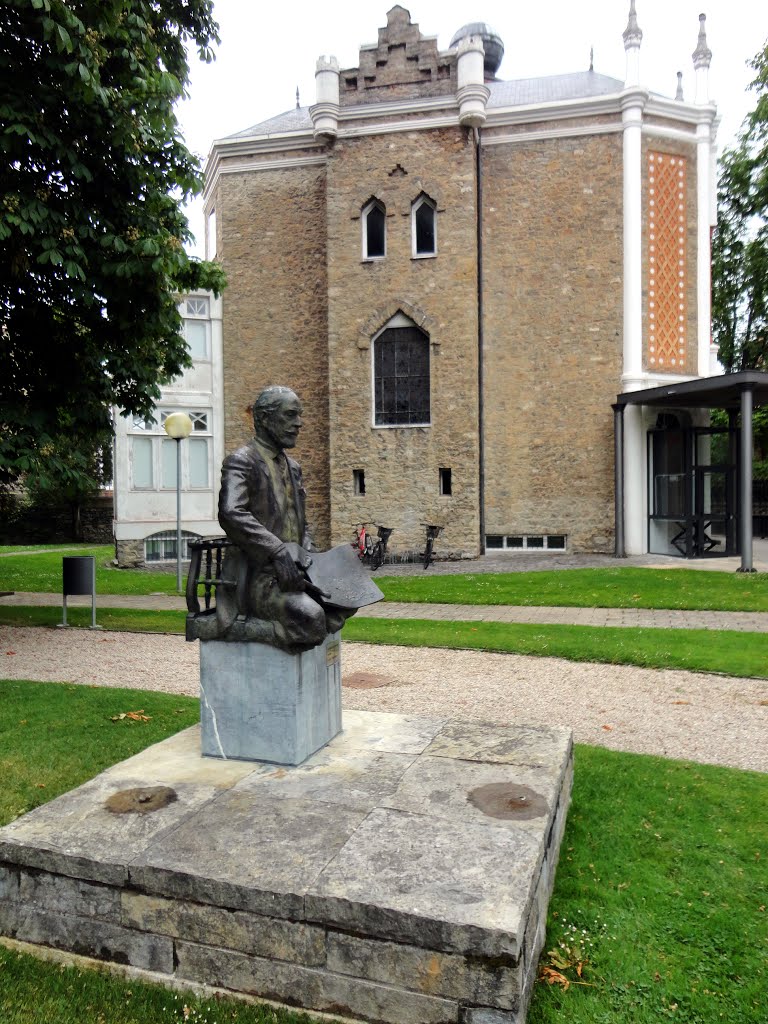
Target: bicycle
[[372, 552], [433, 532]]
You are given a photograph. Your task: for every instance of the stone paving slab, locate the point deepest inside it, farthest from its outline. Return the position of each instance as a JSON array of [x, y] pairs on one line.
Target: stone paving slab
[[399, 876]]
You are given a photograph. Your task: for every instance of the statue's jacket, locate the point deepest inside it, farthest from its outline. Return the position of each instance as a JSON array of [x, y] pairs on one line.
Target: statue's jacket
[[250, 510]]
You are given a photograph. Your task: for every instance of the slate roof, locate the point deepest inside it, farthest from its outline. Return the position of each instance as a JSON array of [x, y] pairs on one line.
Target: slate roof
[[521, 92], [552, 89]]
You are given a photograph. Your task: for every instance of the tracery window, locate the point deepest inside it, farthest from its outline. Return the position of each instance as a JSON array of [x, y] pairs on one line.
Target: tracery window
[[401, 377]]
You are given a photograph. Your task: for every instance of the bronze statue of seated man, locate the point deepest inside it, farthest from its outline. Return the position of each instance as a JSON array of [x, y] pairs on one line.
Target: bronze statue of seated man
[[264, 592]]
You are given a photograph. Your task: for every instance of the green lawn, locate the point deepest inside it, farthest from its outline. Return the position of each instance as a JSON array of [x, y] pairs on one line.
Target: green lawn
[[660, 896], [589, 588], [13, 549], [699, 650], [41, 571], [582, 588]]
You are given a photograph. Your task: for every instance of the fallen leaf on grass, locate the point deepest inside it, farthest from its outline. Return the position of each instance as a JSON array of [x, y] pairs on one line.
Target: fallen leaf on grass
[[552, 977], [13, 652], [134, 716], [608, 728]]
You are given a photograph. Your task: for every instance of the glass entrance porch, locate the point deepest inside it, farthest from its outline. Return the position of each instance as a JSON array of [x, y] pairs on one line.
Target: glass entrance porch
[[692, 483]]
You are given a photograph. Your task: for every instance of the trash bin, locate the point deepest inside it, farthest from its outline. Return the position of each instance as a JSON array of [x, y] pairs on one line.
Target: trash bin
[[79, 577]]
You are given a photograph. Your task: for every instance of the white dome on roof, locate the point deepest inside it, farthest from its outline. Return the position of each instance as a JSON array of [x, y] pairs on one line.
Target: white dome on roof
[[492, 44]]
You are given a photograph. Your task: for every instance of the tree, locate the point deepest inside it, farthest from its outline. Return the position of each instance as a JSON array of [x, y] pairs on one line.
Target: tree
[[740, 245], [93, 173]]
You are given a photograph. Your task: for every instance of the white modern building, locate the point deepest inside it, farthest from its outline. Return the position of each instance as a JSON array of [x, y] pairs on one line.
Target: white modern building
[[145, 457]]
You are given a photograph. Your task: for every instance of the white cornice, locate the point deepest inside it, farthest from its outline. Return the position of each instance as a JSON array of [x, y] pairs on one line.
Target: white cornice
[[450, 120], [443, 112], [216, 168], [662, 131], [560, 132]]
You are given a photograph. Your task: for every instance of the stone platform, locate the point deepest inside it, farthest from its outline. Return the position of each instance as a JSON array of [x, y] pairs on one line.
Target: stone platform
[[401, 875]]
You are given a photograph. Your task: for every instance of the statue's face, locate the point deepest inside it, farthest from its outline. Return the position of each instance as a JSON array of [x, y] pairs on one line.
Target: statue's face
[[285, 423]]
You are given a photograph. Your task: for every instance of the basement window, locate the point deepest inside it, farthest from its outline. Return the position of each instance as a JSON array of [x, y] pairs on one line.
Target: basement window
[[358, 480], [161, 547], [525, 542], [445, 482]]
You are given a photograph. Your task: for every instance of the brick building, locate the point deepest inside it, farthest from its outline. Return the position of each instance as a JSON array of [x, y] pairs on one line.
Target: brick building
[[458, 275]]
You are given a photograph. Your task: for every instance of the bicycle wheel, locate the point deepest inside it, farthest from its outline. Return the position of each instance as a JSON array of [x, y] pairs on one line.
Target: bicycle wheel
[[428, 554], [377, 556]]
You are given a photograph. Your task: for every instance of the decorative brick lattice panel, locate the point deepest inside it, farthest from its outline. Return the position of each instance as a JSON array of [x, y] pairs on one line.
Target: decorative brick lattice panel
[[666, 261]]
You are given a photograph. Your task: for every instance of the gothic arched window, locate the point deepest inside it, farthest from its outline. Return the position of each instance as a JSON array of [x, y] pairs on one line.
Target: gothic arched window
[[401, 376], [424, 227], [374, 231]]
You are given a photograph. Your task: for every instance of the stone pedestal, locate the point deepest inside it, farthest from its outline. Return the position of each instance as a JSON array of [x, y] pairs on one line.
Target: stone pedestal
[[258, 703], [401, 875]]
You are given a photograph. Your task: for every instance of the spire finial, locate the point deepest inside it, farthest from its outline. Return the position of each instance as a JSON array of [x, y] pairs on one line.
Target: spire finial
[[591, 58], [633, 34], [297, 98], [702, 55], [679, 93]]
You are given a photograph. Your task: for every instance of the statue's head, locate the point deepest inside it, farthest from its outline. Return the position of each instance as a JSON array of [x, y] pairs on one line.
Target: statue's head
[[277, 414]]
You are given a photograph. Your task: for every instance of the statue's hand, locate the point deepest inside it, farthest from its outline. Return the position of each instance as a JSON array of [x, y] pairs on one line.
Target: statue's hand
[[300, 555], [289, 577]]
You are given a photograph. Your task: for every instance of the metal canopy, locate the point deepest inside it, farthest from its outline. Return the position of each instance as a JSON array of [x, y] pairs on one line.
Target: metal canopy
[[743, 392], [723, 392]]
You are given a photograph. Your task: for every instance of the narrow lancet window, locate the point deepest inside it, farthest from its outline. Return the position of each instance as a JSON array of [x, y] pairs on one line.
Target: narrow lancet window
[[374, 233], [424, 227]]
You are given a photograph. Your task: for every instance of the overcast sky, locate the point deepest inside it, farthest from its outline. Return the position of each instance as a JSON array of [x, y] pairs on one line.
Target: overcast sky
[[268, 50]]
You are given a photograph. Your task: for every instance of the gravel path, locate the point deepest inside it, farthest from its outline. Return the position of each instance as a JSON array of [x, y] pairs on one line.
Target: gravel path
[[708, 718]]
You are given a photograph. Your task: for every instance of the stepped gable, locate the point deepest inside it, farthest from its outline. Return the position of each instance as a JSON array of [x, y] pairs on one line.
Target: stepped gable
[[404, 64]]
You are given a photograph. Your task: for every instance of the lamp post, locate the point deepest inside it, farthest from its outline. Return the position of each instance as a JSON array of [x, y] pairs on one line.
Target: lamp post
[[178, 426]]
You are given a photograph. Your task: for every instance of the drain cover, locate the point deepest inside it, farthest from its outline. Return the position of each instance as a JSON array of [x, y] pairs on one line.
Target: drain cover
[[508, 801], [364, 680], [142, 800]]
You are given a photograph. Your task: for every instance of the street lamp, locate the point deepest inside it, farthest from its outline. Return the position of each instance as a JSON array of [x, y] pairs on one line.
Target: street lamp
[[178, 426]]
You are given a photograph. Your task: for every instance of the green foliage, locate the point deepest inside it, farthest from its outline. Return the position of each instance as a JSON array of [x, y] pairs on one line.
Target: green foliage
[[740, 245], [93, 172]]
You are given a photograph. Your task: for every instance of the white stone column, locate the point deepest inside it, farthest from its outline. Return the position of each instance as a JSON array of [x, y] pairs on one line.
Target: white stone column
[[702, 58], [472, 92], [325, 112], [635, 488], [633, 101], [703, 248]]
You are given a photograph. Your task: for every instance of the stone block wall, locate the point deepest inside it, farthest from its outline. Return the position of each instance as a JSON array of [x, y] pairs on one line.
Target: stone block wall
[[552, 257], [439, 294], [272, 230]]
